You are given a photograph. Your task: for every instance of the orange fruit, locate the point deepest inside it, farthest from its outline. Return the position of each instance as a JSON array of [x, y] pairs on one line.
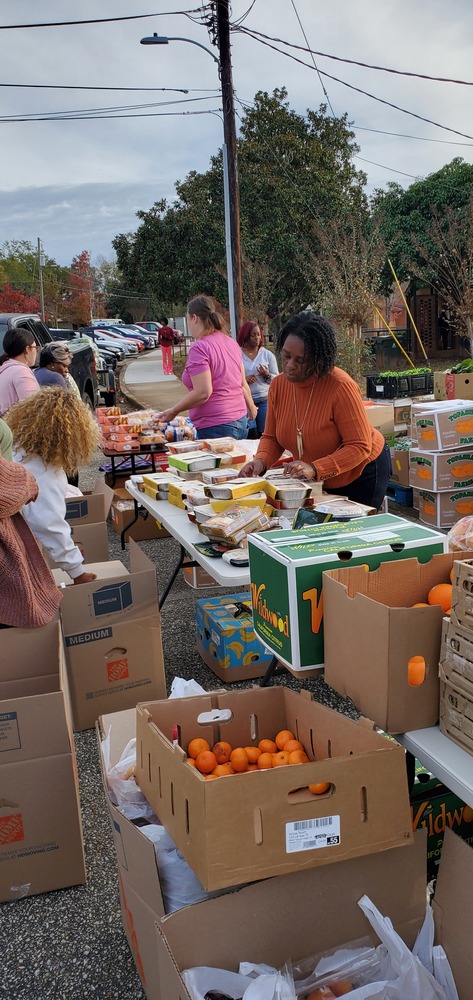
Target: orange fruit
[[280, 759], [319, 788], [341, 988], [416, 671], [282, 738], [239, 759], [196, 746], [252, 767], [293, 745], [420, 605], [207, 776], [222, 769], [265, 760], [267, 746], [206, 761], [253, 753], [191, 761], [452, 574], [441, 594], [298, 757], [222, 752]]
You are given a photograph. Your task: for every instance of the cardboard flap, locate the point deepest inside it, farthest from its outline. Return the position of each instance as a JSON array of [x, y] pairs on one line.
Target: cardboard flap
[[400, 583], [452, 901], [328, 898], [139, 561]]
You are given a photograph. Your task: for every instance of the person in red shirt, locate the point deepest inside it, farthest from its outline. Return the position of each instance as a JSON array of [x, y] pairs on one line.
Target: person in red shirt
[[166, 340], [315, 411]]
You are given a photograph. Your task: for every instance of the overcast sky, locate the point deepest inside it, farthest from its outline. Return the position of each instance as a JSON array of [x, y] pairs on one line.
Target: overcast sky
[[76, 184]]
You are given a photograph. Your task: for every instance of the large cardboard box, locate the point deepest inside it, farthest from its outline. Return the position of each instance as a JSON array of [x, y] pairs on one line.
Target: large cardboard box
[[442, 510], [381, 416], [462, 596], [428, 405], [226, 638], [456, 713], [328, 899], [400, 467], [266, 823], [367, 659], [112, 632], [87, 516], [445, 428], [441, 470], [286, 576], [41, 845], [435, 808], [450, 386], [122, 513]]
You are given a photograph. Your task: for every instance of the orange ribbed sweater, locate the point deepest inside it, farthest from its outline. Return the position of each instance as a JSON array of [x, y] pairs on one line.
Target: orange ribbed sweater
[[337, 436]]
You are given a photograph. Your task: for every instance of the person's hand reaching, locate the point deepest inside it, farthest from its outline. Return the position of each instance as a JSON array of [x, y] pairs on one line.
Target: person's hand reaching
[[299, 470], [85, 578], [254, 468]]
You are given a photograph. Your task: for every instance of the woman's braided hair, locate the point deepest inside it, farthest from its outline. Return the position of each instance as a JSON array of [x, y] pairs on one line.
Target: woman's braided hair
[[318, 337]]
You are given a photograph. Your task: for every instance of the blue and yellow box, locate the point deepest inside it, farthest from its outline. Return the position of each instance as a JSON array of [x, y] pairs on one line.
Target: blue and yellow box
[[226, 638]]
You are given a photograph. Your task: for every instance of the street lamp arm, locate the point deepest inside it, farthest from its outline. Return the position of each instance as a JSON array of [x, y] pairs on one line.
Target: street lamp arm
[[164, 39]]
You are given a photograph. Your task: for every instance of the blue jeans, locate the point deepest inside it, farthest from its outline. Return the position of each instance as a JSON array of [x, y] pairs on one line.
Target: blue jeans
[[370, 487], [237, 429], [262, 405]]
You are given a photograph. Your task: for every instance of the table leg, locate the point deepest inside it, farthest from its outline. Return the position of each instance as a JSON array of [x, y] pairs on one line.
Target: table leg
[[138, 514], [275, 668], [411, 770], [180, 564], [114, 471]]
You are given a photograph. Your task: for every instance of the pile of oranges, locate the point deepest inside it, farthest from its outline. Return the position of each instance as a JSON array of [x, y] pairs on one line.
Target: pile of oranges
[[441, 595], [223, 759]]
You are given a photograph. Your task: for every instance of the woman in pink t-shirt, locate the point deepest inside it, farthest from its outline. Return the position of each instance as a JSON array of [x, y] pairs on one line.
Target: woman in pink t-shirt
[[17, 380], [218, 397]]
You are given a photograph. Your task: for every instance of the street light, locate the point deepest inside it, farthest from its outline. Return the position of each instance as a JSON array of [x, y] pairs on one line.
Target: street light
[[156, 39]]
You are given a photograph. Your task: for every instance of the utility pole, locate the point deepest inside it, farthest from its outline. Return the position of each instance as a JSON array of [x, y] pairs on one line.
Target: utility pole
[[40, 272], [229, 133]]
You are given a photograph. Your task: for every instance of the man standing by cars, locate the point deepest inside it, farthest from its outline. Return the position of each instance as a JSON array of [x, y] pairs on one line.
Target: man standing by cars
[[166, 340]]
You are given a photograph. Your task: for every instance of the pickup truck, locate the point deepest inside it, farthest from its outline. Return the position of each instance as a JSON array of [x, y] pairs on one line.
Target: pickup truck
[[83, 368]]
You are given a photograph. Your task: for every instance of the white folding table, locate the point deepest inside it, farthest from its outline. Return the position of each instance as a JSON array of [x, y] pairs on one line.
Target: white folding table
[[447, 761]]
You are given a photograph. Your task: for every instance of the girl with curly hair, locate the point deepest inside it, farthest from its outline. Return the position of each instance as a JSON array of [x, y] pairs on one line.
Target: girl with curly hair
[[315, 410], [53, 432]]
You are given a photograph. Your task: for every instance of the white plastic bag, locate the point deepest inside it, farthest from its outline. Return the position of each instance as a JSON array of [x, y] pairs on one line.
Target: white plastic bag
[[180, 688], [201, 980], [179, 884], [124, 792]]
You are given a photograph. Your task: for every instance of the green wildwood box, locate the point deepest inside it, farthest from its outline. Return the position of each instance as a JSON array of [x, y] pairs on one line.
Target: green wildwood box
[[434, 807], [286, 576]]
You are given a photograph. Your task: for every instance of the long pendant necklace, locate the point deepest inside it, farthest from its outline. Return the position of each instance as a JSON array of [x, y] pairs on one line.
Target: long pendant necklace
[[299, 430]]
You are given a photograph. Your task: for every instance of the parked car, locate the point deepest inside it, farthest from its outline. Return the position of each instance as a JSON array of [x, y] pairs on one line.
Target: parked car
[[149, 340], [150, 325], [121, 331], [105, 361], [126, 347], [83, 367]]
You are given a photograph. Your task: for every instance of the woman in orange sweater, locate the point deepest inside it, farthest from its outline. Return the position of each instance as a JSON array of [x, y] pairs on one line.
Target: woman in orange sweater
[[315, 411]]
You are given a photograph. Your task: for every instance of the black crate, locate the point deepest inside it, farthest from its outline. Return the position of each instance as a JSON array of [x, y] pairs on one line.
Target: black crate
[[387, 387]]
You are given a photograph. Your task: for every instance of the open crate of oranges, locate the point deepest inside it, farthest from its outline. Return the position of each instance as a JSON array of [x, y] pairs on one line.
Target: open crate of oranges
[[253, 819]]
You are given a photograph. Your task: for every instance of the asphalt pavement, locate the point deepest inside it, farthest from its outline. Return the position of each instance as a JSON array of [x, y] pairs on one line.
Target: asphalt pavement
[[143, 382]]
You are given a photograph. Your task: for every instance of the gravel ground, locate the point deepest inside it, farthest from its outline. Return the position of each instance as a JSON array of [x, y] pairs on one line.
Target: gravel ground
[[69, 945]]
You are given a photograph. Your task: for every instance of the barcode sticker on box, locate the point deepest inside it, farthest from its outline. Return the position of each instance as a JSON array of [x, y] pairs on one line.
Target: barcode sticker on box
[[311, 834]]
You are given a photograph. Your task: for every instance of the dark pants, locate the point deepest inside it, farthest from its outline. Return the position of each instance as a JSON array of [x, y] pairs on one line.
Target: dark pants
[[370, 487]]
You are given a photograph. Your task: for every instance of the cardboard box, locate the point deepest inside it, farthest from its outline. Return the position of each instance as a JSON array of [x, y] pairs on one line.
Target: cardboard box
[[447, 428], [286, 576], [396, 885], [415, 498], [456, 656], [367, 659], [41, 845], [439, 470], [123, 511], [462, 596], [87, 516], [400, 467], [226, 639], [113, 638], [381, 416], [449, 386], [267, 823], [435, 808], [429, 405], [198, 578], [402, 411], [456, 713], [442, 510]]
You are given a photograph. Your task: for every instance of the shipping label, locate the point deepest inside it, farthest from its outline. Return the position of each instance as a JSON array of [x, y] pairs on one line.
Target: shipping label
[[312, 834]]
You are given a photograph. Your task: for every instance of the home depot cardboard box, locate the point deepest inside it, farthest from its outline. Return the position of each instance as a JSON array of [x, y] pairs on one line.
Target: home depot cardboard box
[[264, 824], [441, 470], [226, 639], [442, 510], [112, 632], [41, 845], [286, 576], [328, 897], [122, 512], [450, 386], [367, 659], [87, 517]]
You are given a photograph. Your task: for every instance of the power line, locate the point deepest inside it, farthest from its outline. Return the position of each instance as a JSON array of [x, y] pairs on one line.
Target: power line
[[99, 20], [313, 60], [402, 135], [61, 86], [414, 177], [355, 62], [366, 93], [89, 118], [97, 112]]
